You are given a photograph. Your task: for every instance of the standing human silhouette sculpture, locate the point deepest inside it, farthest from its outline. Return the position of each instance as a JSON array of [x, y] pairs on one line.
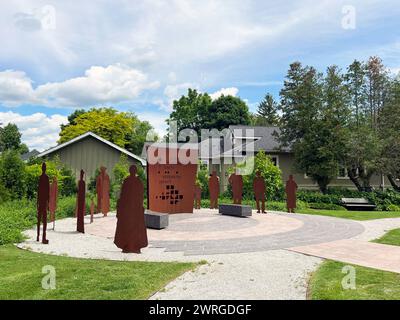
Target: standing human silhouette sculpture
[[99, 191], [236, 182], [259, 192], [213, 187], [197, 196], [81, 204], [43, 197], [291, 189], [53, 201], [131, 232], [105, 199]]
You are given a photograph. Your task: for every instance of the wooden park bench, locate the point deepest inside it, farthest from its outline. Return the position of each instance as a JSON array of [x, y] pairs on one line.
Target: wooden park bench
[[357, 204]]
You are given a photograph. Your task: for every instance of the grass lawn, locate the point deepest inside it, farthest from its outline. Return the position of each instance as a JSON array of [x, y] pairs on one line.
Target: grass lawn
[[392, 238], [371, 284], [21, 277], [354, 215]]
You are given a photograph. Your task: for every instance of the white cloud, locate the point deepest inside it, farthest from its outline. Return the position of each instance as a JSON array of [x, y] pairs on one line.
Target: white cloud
[[173, 92], [15, 88], [157, 120], [38, 130], [100, 85], [226, 92]]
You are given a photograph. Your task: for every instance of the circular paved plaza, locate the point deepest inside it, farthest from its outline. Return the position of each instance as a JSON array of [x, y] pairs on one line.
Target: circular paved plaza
[[207, 232]]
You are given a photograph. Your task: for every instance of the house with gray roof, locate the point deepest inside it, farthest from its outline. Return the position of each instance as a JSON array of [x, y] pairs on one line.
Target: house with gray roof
[[246, 141]]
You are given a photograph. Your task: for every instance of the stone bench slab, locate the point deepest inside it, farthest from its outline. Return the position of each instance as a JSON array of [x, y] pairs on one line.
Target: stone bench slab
[[156, 220], [235, 210]]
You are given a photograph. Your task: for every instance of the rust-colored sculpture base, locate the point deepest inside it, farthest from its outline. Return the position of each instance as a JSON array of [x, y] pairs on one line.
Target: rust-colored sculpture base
[[259, 192], [43, 197], [81, 204], [213, 187], [131, 232], [291, 190]]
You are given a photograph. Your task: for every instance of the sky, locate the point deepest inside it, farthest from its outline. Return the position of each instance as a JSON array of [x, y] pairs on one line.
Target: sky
[[138, 56]]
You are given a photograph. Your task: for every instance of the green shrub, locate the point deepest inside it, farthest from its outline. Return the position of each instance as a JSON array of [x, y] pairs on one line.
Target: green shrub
[[68, 186], [4, 194], [202, 180], [272, 176], [19, 215], [12, 174], [393, 207]]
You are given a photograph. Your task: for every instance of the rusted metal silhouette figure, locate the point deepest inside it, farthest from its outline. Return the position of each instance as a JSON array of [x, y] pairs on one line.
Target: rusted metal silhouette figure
[[236, 182], [99, 191], [43, 197], [259, 192], [91, 211], [131, 232], [213, 187], [197, 196], [53, 201], [81, 204], [291, 189], [105, 200]]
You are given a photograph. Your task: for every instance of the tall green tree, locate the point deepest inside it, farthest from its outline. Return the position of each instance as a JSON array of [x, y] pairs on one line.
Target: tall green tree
[[122, 128], [314, 115], [267, 112], [377, 88], [226, 111], [71, 118], [197, 111], [191, 111], [367, 84], [389, 131], [301, 102], [10, 138]]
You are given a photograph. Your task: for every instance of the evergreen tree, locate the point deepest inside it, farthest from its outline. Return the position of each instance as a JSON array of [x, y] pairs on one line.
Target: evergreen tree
[[267, 112]]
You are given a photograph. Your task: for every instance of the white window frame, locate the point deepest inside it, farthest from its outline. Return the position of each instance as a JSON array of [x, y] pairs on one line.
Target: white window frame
[[277, 159]]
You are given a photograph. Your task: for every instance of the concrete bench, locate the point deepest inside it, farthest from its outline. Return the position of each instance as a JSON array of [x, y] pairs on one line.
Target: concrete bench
[[156, 220], [354, 204], [235, 210]]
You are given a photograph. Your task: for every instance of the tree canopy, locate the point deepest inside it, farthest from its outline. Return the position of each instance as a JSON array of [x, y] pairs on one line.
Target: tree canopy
[[122, 128], [198, 111], [10, 139], [267, 112]]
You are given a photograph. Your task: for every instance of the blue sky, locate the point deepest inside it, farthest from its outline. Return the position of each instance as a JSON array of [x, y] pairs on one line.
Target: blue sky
[[57, 56]]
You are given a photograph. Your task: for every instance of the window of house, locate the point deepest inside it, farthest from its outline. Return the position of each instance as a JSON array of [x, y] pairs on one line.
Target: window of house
[[342, 174], [275, 160], [204, 164]]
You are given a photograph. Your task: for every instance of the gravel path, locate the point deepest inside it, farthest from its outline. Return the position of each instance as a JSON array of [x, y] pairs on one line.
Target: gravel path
[[269, 275], [375, 229]]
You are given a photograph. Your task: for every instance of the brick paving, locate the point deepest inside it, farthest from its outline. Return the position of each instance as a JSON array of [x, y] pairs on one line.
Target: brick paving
[[207, 232], [362, 253]]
